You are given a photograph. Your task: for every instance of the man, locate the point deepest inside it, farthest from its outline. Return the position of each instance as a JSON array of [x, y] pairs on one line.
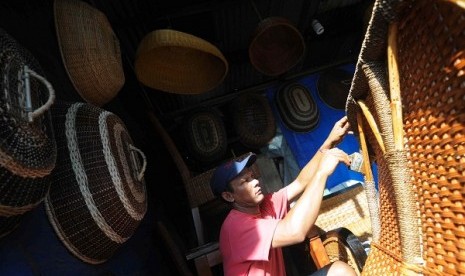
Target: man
[[259, 225]]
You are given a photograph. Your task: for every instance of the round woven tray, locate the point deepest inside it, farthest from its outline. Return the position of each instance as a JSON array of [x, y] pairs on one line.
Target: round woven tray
[[90, 50], [206, 136], [178, 62], [253, 120], [97, 197], [333, 87], [297, 107], [27, 145], [276, 46]]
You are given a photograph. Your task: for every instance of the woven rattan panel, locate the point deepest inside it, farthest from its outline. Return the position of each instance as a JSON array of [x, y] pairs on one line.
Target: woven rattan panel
[[431, 59]]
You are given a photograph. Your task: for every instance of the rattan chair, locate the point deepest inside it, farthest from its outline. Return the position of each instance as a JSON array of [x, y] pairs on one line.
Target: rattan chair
[[409, 106]]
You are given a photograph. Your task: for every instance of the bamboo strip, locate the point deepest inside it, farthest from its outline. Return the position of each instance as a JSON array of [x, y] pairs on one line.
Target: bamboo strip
[[372, 123]]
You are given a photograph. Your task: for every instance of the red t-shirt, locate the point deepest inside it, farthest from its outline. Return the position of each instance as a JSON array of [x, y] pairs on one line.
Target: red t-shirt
[[245, 240]]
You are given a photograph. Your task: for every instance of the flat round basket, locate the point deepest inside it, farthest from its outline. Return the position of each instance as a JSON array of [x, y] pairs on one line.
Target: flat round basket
[[90, 51], [178, 62], [253, 120], [276, 46], [97, 197], [333, 87], [27, 144], [206, 136], [297, 108]]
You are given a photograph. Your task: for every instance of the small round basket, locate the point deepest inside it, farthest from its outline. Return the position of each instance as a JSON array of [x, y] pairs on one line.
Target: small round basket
[[90, 51], [178, 62], [333, 87], [253, 120], [206, 136], [297, 107], [97, 198], [276, 46], [27, 145]]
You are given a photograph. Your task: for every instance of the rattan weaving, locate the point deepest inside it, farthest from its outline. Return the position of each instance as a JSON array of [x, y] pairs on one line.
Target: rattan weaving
[[178, 62], [27, 144], [90, 50], [276, 46], [421, 182], [97, 198], [253, 120]]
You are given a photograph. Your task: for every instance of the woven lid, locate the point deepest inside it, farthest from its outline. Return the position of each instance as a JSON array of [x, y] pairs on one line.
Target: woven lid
[[27, 148], [90, 50], [178, 62], [206, 136], [276, 46], [253, 120], [97, 197], [333, 87], [297, 107]]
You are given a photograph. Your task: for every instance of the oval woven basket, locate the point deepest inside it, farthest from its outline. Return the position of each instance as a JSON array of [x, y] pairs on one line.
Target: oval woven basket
[[178, 62], [253, 120], [90, 51], [27, 144], [206, 136], [97, 197], [333, 87], [297, 108], [276, 46]]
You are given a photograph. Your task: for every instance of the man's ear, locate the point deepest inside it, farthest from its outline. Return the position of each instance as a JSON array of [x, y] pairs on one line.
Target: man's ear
[[227, 196]]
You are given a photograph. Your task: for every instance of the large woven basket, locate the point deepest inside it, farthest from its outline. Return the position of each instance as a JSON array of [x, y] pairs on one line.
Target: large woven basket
[[27, 145], [90, 51], [97, 198], [177, 62], [333, 87], [253, 120], [419, 143], [276, 46]]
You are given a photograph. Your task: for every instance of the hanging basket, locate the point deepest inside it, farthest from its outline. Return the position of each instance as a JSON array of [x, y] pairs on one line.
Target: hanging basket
[[253, 120], [297, 108], [97, 198], [178, 62], [333, 87], [27, 145], [276, 46], [90, 51]]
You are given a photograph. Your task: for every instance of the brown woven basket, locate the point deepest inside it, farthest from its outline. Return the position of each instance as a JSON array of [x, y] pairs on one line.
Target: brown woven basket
[[297, 108], [253, 120], [276, 46], [206, 135], [27, 144], [90, 51], [97, 197], [178, 62], [333, 87]]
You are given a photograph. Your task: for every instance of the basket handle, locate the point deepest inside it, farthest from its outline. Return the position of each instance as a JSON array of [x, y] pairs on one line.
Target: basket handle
[[141, 172], [31, 115]]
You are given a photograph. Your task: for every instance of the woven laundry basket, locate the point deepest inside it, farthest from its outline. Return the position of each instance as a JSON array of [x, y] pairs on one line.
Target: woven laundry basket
[[333, 87], [206, 135], [276, 46], [90, 51], [178, 62], [297, 108], [97, 198], [27, 144], [253, 120]]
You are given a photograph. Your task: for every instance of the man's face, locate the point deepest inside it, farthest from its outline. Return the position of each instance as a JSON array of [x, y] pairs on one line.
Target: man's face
[[246, 189]]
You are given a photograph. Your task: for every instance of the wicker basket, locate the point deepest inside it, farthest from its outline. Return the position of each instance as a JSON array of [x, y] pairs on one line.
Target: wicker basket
[[206, 136], [253, 120], [297, 108], [333, 87], [421, 152], [97, 197], [178, 62], [27, 144], [90, 51], [276, 46]]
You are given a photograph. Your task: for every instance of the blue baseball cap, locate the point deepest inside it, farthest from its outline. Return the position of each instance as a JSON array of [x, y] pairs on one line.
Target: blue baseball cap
[[226, 172]]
